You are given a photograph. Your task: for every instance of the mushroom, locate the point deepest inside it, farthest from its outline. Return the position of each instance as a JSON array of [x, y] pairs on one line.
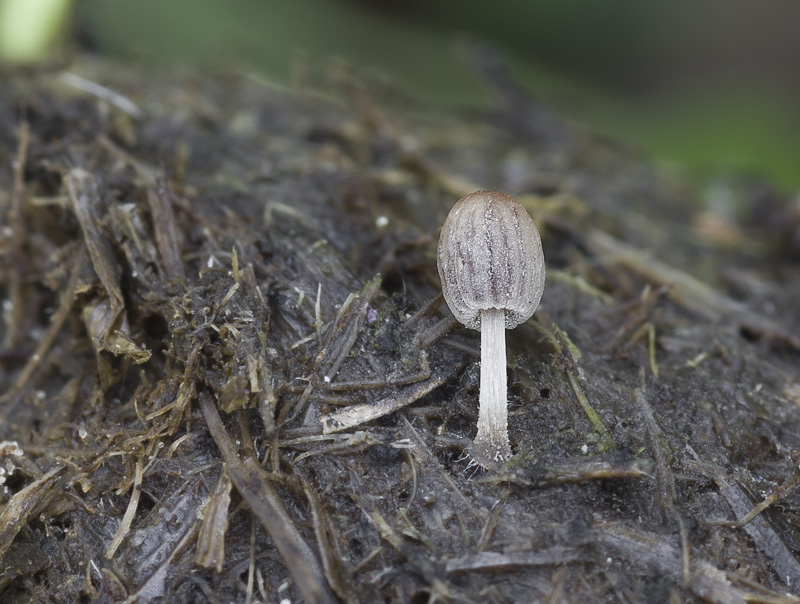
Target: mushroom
[[491, 266]]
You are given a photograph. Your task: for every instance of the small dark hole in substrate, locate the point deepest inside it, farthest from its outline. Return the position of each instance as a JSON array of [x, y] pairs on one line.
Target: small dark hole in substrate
[[155, 326], [749, 334]]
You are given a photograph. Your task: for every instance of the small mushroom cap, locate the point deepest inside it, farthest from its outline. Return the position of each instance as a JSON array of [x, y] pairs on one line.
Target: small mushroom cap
[[490, 256]]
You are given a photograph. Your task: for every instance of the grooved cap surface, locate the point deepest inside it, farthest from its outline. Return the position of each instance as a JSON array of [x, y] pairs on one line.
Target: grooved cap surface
[[490, 256]]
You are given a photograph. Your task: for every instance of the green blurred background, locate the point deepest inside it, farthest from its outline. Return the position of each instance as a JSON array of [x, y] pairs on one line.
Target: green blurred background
[[711, 86]]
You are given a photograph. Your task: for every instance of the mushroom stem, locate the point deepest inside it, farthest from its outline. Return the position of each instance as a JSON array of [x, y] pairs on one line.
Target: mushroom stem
[[492, 439]]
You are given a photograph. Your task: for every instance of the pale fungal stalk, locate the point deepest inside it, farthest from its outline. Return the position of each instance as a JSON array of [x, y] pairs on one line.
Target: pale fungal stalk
[[492, 270], [493, 411]]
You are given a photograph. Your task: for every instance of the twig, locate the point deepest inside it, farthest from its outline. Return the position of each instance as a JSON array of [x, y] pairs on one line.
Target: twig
[[130, 512], [331, 557], [391, 382], [558, 583], [26, 504], [655, 555], [162, 215], [101, 92], [765, 537], [686, 290], [579, 471], [85, 195], [779, 492], [342, 335], [565, 347], [435, 332], [428, 308], [429, 459], [355, 415], [489, 526], [57, 319], [665, 480], [210, 551], [254, 486], [165, 227], [492, 561]]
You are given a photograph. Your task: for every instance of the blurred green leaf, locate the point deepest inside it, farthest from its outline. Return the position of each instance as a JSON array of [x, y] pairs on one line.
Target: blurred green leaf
[[29, 28]]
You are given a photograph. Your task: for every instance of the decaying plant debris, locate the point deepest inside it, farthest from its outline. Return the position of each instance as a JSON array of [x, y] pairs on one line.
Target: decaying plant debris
[[227, 374]]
